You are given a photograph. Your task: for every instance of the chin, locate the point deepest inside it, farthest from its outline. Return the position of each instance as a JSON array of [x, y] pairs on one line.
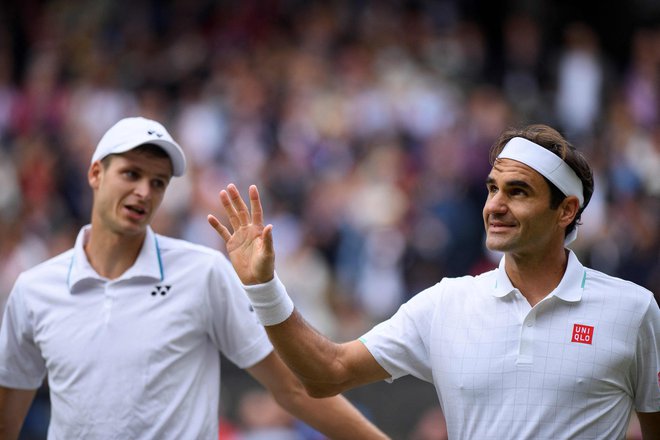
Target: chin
[[498, 245], [133, 229]]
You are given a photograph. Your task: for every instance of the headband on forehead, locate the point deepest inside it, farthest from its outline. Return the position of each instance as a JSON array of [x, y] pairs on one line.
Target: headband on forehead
[[547, 163], [550, 166]]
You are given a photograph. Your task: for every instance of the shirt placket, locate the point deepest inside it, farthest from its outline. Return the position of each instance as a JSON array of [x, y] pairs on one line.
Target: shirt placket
[[527, 318], [108, 301]]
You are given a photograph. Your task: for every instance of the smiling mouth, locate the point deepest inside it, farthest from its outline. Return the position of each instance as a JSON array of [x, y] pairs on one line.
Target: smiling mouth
[[498, 226]]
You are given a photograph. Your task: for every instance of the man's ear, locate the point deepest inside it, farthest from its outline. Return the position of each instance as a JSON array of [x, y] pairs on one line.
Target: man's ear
[[568, 209], [94, 174]]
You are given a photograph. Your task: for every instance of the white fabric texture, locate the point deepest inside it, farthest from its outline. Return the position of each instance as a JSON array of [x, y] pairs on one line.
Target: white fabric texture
[[135, 357], [503, 369], [270, 300]]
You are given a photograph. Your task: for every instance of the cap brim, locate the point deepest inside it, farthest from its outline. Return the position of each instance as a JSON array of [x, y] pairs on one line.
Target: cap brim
[[172, 149], [176, 155]]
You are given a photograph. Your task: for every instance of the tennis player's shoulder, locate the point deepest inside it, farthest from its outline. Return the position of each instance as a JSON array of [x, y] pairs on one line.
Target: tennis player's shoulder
[[466, 284], [600, 283], [482, 280], [55, 266]]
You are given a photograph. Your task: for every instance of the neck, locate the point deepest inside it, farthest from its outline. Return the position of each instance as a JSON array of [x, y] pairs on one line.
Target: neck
[[536, 275], [111, 254]]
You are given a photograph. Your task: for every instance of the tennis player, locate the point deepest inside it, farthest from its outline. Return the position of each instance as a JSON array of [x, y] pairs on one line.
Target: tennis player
[[540, 348], [128, 326]]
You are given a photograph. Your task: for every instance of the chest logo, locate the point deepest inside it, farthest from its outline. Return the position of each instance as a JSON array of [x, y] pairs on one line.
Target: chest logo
[[584, 334], [160, 290]]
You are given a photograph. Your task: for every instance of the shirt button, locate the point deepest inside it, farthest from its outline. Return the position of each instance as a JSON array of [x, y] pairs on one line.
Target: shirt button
[[530, 323]]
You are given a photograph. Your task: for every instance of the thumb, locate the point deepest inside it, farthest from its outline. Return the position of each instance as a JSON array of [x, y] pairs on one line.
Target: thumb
[[267, 237]]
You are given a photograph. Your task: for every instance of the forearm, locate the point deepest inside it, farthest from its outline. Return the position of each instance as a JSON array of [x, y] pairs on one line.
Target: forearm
[[312, 356], [325, 368], [335, 417], [14, 406]]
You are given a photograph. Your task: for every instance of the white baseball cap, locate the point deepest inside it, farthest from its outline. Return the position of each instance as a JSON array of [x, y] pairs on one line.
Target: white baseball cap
[[129, 133]]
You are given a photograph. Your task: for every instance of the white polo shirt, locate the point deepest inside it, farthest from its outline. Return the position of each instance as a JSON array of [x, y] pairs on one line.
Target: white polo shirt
[[135, 357], [573, 366]]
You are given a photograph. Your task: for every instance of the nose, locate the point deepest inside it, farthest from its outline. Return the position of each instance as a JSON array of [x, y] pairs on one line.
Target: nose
[[143, 188], [495, 204]]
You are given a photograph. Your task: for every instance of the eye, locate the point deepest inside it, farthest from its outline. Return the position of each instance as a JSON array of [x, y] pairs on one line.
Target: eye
[[158, 183], [492, 189], [130, 174], [518, 192]]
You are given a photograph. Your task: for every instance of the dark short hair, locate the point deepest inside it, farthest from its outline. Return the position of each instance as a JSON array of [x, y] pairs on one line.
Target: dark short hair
[[550, 139], [152, 150]]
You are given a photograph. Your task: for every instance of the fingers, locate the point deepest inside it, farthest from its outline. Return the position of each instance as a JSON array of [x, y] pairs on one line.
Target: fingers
[[232, 215], [267, 238], [237, 210], [255, 206], [219, 227], [239, 205]]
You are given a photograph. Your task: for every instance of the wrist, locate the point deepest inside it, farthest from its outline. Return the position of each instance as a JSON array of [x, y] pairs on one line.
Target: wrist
[[270, 301]]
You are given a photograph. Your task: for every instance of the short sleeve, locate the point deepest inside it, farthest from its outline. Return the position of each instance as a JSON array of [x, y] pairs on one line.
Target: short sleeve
[[401, 344], [233, 325], [647, 362], [21, 363]]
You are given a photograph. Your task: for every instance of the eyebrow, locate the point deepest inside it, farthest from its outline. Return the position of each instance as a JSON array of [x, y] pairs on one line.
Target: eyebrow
[[509, 183], [140, 169]]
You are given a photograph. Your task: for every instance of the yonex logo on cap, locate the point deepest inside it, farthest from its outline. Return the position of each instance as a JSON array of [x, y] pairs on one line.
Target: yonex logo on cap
[[584, 334], [154, 132]]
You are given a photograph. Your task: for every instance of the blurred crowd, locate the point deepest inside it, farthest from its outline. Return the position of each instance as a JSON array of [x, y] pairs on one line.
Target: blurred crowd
[[365, 124]]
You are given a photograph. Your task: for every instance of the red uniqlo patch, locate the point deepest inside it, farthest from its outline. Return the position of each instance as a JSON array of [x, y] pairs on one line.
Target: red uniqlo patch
[[584, 334]]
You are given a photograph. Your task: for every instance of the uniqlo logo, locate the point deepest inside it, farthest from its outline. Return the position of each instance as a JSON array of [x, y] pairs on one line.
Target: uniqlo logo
[[584, 334]]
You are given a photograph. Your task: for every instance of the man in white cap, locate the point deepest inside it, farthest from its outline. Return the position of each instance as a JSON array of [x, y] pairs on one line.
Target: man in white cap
[[539, 348], [129, 325]]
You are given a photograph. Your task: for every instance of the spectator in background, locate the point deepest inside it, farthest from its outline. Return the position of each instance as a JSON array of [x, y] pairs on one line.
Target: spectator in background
[[581, 79], [640, 83]]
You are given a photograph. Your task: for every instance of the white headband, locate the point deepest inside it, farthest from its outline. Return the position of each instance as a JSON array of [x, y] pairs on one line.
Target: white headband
[[547, 163]]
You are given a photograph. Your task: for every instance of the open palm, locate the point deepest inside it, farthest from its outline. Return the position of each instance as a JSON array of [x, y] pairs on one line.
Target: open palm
[[250, 246]]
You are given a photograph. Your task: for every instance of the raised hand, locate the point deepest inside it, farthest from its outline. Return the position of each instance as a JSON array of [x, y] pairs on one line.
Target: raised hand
[[250, 246]]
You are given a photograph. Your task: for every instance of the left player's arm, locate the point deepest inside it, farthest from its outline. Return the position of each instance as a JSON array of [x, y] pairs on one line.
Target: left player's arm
[[333, 416], [650, 424], [14, 406]]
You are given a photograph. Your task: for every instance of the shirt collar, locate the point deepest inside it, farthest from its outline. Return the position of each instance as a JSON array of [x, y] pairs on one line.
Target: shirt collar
[[148, 263], [570, 287]]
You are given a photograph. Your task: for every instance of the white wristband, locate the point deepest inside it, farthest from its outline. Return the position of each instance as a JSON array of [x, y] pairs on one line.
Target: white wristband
[[270, 301]]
